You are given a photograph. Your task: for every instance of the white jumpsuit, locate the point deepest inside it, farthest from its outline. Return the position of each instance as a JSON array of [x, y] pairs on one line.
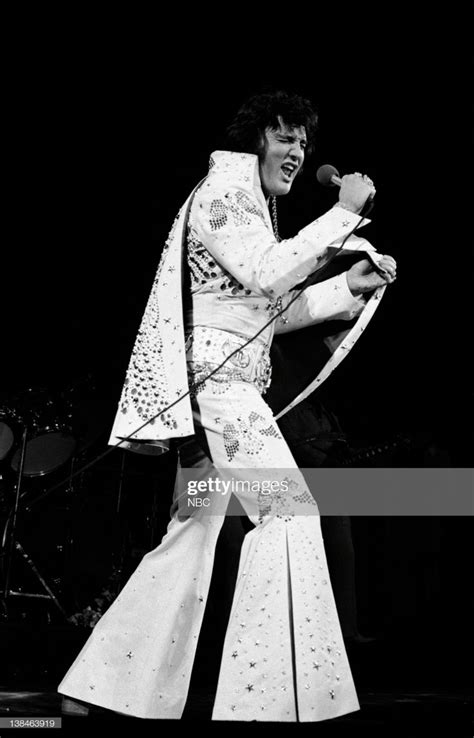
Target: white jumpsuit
[[283, 657]]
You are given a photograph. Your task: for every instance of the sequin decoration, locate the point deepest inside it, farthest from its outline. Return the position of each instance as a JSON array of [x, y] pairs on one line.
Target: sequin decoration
[[208, 348], [202, 266], [217, 215], [247, 434], [205, 270], [238, 205], [141, 389]]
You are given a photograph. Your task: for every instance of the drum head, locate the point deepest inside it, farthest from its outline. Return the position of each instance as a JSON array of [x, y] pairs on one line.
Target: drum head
[[45, 453], [6, 439]]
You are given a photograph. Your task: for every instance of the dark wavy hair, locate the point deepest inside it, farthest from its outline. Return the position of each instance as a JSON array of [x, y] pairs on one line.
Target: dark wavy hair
[[261, 111]]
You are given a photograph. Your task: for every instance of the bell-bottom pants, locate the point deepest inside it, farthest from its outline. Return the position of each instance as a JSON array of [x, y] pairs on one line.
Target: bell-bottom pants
[[283, 657]]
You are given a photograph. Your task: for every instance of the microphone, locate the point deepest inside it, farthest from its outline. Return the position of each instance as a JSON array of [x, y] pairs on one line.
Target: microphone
[[328, 176]]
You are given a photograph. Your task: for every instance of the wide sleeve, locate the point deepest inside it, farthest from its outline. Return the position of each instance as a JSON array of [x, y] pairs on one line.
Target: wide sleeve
[[231, 224], [328, 300]]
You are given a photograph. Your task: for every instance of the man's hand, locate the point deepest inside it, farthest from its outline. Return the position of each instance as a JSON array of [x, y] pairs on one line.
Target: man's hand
[[355, 190], [362, 276]]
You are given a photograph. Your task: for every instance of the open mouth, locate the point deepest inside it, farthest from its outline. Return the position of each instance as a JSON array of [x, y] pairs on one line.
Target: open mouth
[[288, 170]]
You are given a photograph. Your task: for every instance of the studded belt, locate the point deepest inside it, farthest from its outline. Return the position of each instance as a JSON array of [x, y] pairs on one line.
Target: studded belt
[[206, 348]]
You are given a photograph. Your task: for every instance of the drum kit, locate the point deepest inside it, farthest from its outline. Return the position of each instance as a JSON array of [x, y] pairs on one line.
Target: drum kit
[[49, 439], [42, 434]]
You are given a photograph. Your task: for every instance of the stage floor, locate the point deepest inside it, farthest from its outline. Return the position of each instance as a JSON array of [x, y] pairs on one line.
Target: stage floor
[[408, 687], [406, 713]]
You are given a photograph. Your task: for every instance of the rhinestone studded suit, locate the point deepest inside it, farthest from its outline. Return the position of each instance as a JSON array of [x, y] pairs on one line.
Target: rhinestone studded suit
[[283, 657]]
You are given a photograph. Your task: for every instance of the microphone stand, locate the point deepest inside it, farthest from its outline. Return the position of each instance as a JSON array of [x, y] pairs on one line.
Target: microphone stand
[[13, 544]]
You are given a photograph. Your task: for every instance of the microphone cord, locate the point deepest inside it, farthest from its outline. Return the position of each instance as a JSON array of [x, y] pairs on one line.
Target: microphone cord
[[195, 385]]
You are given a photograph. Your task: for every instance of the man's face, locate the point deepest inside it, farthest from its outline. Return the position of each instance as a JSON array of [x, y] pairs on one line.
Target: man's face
[[282, 158]]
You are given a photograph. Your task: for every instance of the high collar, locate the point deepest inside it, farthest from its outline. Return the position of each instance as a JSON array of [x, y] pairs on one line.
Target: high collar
[[239, 169]]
